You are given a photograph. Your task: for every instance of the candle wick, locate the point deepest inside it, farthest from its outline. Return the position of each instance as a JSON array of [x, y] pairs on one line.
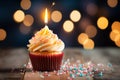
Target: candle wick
[[46, 26]]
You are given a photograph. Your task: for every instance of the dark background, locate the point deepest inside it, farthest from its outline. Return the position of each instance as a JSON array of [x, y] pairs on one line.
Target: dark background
[[16, 39]]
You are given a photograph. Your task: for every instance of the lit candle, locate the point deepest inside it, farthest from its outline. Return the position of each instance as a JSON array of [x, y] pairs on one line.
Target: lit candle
[[46, 18]]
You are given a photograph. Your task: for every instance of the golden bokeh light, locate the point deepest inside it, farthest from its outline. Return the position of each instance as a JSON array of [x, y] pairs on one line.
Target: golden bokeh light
[[102, 23], [89, 44], [25, 4], [68, 26], [116, 25], [2, 34], [75, 15], [53, 3], [114, 35], [56, 16], [91, 31], [112, 3], [118, 42], [28, 21], [82, 38], [19, 16]]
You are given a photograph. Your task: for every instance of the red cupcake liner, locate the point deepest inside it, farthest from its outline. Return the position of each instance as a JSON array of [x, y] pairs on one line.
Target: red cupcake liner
[[44, 62]]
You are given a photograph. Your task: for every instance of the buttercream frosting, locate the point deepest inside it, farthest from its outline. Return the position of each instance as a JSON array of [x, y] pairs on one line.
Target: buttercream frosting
[[45, 40]]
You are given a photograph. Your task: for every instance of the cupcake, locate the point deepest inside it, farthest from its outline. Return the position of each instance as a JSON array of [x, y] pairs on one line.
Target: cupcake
[[45, 50]]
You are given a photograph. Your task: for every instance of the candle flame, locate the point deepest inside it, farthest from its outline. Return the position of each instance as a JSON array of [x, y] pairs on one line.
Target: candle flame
[[46, 16]]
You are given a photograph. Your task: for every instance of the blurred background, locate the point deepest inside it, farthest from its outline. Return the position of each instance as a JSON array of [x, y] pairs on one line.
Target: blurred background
[[79, 23]]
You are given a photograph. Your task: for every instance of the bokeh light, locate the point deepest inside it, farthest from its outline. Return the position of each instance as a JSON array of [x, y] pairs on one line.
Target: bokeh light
[[82, 38], [56, 16], [112, 3], [91, 31], [24, 30], [102, 23], [75, 16], [28, 21], [68, 26], [2, 34], [89, 44], [19, 16], [53, 3], [114, 35], [92, 9], [25, 4], [118, 42], [116, 25]]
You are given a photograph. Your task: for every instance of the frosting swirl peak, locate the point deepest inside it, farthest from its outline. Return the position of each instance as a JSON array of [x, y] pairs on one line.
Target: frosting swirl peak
[[45, 40]]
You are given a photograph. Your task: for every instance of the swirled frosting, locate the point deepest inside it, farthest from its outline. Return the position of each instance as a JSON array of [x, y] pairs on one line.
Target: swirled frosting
[[45, 40]]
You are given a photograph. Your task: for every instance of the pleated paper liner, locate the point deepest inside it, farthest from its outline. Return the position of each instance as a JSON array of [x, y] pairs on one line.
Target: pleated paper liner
[[46, 62]]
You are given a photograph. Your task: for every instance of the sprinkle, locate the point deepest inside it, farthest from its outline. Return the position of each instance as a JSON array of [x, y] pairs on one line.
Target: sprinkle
[[68, 60], [60, 72], [54, 72], [109, 65], [77, 69], [85, 71], [100, 74], [80, 65], [45, 73], [49, 74], [81, 75], [24, 65], [81, 68], [70, 68], [77, 73], [72, 75], [41, 75]]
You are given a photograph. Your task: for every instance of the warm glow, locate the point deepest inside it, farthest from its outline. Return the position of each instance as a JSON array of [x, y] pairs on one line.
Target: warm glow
[[19, 16], [82, 38], [56, 16], [91, 31], [68, 26], [75, 16], [53, 3], [116, 26], [25, 4], [89, 44], [102, 22], [46, 16], [28, 21], [114, 35], [112, 3], [118, 42], [2, 34]]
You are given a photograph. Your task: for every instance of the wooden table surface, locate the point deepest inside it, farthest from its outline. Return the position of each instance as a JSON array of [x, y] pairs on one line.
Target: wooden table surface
[[13, 62], [98, 55]]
